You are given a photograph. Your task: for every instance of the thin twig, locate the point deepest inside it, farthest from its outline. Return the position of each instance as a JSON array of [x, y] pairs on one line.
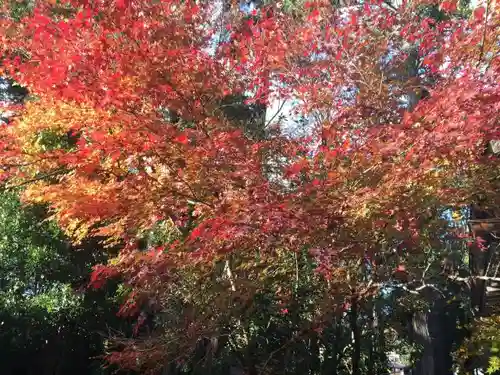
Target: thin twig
[[483, 39], [36, 179], [276, 114]]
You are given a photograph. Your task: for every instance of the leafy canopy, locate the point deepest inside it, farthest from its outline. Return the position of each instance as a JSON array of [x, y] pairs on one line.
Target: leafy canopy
[[126, 132]]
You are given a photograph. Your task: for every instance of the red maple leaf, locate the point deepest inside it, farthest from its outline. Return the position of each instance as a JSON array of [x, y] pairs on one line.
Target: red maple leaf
[[479, 13], [182, 138]]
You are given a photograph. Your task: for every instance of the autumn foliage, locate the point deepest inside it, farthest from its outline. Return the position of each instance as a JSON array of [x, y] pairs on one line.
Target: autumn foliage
[[125, 131]]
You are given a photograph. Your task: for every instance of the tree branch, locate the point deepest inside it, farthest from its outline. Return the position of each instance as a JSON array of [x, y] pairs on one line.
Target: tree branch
[[39, 178], [470, 278]]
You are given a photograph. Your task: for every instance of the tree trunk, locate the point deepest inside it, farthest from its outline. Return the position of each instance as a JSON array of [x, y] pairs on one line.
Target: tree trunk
[[314, 354], [330, 366], [356, 336], [420, 333]]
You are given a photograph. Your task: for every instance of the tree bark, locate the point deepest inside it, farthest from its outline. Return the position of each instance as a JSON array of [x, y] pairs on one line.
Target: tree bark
[[356, 336], [330, 366]]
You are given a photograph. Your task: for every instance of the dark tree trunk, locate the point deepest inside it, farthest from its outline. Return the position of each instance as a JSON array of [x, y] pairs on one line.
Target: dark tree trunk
[[356, 333], [420, 334], [330, 367], [377, 344], [442, 329], [314, 365], [437, 332], [381, 348]]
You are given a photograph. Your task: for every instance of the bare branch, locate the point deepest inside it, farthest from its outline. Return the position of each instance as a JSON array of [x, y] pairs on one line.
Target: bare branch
[[470, 278]]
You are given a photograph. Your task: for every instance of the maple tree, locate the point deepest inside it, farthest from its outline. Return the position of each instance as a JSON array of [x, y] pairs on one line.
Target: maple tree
[[126, 134]]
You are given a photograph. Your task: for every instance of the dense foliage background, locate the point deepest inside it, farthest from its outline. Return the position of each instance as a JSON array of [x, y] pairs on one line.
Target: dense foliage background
[[249, 188]]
